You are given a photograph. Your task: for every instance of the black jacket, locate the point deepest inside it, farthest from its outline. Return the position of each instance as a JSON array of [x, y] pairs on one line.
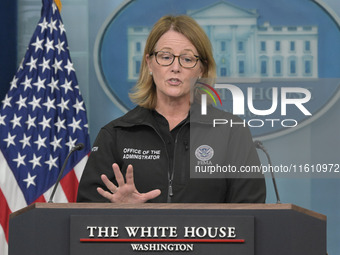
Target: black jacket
[[135, 139]]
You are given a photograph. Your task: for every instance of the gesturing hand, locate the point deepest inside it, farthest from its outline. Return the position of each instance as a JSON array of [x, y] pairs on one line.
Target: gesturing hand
[[126, 192]]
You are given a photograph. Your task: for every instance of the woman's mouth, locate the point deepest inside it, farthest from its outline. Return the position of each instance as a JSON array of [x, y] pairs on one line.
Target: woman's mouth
[[174, 81]]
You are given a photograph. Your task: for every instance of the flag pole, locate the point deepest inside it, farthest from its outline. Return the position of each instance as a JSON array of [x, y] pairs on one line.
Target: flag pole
[[58, 4]]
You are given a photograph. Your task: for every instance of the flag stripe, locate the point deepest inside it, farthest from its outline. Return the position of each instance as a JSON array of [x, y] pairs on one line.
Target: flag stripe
[[78, 169], [69, 184], [3, 242], [9, 186], [59, 196], [40, 199], [4, 214]]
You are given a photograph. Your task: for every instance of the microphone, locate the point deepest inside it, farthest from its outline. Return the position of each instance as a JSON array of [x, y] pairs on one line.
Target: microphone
[[259, 145], [77, 147]]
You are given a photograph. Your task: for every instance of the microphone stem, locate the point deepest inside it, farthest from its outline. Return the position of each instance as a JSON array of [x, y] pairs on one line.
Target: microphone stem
[[273, 178], [59, 177]]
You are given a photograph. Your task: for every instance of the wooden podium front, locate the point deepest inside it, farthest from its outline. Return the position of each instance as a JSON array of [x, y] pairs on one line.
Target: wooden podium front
[[98, 228]]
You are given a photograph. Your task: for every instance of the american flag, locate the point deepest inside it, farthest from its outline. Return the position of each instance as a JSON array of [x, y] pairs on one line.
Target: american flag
[[42, 118]]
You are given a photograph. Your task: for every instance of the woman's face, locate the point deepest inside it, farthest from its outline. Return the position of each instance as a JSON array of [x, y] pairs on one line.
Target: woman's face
[[174, 81]]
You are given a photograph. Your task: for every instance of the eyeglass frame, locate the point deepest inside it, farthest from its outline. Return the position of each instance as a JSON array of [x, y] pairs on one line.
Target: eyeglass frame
[[173, 60]]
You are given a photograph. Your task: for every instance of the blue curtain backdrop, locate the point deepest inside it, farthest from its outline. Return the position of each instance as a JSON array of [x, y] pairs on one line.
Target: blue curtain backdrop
[[8, 44]]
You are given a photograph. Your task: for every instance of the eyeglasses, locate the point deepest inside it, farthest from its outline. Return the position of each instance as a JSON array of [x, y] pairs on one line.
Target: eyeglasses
[[165, 58]]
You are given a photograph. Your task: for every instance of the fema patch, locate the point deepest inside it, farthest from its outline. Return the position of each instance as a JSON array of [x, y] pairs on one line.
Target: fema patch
[[204, 152]]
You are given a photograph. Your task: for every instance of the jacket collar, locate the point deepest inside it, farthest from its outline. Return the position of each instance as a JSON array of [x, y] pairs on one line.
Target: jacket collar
[[137, 116], [142, 116]]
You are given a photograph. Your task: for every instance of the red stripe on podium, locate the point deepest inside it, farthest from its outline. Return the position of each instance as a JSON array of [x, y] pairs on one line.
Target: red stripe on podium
[[117, 240]]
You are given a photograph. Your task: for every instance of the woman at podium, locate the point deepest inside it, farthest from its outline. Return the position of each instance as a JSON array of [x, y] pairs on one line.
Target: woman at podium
[[145, 155]]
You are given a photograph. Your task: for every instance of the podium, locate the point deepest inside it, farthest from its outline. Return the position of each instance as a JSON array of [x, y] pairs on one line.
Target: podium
[[104, 228]]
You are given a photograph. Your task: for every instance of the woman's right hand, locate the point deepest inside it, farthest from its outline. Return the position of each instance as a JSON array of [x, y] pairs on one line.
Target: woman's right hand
[[126, 192]]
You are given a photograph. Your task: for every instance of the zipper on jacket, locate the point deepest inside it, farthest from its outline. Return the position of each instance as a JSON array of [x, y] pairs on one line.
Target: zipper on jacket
[[171, 175], [170, 189]]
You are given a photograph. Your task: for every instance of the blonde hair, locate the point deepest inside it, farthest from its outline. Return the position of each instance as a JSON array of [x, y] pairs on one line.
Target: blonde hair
[[144, 92]]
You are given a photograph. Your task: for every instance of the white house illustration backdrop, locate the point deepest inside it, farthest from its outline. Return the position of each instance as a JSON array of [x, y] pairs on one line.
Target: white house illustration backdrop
[[242, 48]]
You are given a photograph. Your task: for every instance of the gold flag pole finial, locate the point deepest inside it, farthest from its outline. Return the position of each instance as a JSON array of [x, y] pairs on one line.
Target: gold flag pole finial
[[59, 5]]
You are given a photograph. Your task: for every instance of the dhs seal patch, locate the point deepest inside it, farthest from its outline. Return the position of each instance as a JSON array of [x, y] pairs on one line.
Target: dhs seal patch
[[204, 153]]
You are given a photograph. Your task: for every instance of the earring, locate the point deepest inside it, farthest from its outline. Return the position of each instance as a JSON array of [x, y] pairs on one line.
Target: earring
[[151, 73]]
